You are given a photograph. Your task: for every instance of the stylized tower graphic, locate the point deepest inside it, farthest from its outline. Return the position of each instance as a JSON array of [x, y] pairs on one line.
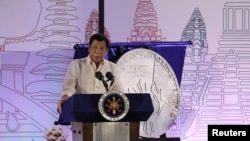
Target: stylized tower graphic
[[60, 29], [195, 31], [92, 26], [194, 80], [223, 84], [219, 86], [145, 23]]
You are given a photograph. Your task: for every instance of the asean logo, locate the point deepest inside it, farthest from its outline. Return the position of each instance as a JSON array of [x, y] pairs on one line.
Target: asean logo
[[113, 106]]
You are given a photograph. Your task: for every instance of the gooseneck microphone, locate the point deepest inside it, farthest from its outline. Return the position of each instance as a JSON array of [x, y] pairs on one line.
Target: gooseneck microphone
[[110, 77], [99, 76]]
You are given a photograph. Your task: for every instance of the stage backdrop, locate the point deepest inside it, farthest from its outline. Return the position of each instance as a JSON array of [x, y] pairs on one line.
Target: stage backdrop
[[37, 39]]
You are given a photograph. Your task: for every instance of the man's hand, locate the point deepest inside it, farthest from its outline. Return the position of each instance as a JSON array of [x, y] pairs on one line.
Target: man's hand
[[60, 102]]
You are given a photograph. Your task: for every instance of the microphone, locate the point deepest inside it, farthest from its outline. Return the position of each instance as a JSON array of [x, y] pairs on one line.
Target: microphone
[[110, 77], [99, 76]]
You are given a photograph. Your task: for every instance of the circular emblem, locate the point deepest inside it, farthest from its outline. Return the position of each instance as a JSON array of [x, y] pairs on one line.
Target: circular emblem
[[113, 106], [145, 71]]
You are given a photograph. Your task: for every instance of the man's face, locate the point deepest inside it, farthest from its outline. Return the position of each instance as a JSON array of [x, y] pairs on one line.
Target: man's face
[[97, 51]]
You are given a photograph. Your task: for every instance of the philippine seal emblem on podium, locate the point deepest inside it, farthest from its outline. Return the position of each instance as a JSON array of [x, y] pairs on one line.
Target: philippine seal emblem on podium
[[113, 106]]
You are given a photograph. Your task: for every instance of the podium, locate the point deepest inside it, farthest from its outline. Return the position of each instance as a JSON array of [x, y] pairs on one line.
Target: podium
[[89, 125]]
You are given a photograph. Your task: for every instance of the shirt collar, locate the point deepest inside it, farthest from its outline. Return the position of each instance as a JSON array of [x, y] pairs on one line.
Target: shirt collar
[[89, 61]]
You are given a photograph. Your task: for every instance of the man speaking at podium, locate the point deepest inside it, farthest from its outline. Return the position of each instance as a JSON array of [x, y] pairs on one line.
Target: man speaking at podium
[[86, 75]]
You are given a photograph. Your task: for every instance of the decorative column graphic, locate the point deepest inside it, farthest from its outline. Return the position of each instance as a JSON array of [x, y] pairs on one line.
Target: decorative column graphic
[[236, 17]]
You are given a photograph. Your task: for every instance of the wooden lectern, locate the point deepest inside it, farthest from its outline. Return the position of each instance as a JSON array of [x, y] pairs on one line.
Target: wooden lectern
[[89, 125]]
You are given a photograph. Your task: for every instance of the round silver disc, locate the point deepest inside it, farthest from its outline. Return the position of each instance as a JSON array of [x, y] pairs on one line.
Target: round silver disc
[[145, 71]]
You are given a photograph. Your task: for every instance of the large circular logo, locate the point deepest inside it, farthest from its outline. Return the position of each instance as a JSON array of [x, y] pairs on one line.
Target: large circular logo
[[145, 71], [113, 106]]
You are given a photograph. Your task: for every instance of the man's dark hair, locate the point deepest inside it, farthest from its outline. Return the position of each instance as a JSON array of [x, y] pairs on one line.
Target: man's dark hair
[[99, 37]]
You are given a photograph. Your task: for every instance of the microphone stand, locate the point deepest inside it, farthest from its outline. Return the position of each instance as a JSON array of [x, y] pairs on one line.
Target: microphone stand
[[99, 76], [110, 77], [105, 85], [111, 83]]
